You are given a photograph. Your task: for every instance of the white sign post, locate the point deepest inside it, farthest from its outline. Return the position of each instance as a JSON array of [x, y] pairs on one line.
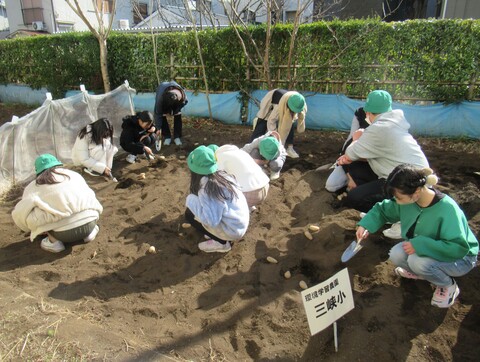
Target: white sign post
[[328, 301]]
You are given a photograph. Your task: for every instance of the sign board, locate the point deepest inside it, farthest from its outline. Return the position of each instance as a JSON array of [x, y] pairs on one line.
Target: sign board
[[328, 301]]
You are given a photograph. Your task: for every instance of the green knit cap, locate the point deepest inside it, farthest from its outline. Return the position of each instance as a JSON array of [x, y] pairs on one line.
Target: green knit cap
[[44, 162], [378, 101], [296, 103], [269, 148], [202, 161]]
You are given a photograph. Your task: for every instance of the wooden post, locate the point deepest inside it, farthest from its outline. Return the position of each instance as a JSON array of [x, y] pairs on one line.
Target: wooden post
[[471, 87], [172, 66]]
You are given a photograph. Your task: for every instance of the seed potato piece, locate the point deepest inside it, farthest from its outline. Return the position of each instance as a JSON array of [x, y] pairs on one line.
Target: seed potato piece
[[272, 260]]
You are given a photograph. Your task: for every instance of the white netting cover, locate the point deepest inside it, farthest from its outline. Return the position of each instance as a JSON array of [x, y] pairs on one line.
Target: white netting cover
[[53, 127]]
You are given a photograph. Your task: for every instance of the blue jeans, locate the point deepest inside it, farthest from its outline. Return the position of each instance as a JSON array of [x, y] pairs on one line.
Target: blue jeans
[[439, 273]]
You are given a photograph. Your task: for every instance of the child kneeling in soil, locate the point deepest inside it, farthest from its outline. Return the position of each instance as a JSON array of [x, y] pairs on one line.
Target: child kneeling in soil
[[58, 203], [253, 182], [94, 148], [215, 206], [138, 134], [268, 150], [439, 244]]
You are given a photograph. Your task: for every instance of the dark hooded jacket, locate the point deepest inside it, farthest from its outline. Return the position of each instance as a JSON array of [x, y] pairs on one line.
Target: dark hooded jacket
[[161, 107], [131, 134]]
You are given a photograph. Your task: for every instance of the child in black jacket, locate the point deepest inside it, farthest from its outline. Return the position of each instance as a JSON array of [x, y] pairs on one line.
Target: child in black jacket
[[138, 133]]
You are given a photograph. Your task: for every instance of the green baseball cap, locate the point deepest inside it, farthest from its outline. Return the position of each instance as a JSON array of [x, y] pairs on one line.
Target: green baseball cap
[[202, 161], [296, 102], [44, 162], [269, 147], [378, 101], [213, 147]]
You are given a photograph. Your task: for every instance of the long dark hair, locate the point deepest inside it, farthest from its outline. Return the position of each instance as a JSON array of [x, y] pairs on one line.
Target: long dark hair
[[47, 177], [100, 129], [407, 178], [218, 186]]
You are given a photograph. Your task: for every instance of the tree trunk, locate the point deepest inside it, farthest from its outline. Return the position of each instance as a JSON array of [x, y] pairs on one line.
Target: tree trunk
[[104, 64]]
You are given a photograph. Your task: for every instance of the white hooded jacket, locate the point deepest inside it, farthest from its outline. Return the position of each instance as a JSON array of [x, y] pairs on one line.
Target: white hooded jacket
[[58, 207], [237, 162], [387, 144]]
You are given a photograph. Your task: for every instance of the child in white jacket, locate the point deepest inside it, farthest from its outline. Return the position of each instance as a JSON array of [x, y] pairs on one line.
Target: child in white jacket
[[215, 206], [58, 203], [253, 182], [94, 149]]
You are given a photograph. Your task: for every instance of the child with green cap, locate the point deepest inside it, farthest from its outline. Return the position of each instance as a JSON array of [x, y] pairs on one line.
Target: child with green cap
[[267, 150], [215, 205], [58, 203], [384, 145], [250, 177], [278, 111]]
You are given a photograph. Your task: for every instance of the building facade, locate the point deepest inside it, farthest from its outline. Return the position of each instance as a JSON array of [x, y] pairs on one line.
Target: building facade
[[3, 16]]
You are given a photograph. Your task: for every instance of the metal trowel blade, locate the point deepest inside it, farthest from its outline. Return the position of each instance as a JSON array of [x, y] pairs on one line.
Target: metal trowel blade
[[352, 249]]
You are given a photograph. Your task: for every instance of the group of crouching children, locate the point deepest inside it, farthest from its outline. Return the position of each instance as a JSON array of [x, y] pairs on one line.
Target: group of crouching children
[[228, 182]]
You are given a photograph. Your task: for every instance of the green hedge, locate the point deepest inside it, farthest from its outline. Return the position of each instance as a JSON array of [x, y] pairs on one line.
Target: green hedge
[[429, 59]]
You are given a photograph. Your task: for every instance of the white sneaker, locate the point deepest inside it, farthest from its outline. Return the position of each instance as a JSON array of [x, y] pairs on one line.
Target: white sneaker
[[406, 274], [395, 232], [158, 145], [91, 172], [291, 152], [92, 235], [55, 247], [444, 297], [131, 158], [274, 175], [149, 156], [213, 246], [167, 141], [178, 141]]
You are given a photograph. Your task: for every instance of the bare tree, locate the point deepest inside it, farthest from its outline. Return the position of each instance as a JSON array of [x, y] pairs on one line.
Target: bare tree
[[271, 13], [199, 49], [136, 10], [101, 32]]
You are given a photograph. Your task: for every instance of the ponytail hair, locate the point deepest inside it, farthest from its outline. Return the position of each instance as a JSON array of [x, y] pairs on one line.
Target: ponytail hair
[[407, 179]]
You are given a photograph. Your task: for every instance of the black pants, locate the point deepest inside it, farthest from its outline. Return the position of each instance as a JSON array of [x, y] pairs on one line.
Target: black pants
[[177, 127], [261, 129], [369, 188], [190, 217]]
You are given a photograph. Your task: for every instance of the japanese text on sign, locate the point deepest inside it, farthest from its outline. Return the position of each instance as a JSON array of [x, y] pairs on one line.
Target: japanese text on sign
[[328, 301]]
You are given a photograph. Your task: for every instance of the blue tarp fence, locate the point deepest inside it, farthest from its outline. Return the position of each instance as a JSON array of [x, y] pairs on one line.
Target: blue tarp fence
[[325, 111]]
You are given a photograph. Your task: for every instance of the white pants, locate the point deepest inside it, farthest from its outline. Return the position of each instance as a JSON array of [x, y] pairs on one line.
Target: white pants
[[336, 180]]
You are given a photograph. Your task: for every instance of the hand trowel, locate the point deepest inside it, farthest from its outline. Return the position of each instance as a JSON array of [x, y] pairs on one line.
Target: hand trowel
[[353, 248]]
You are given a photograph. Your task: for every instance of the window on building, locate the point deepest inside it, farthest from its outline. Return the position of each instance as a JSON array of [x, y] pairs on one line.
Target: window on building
[[248, 16], [107, 5], [140, 12], [31, 11], [290, 16], [64, 27], [204, 5]]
